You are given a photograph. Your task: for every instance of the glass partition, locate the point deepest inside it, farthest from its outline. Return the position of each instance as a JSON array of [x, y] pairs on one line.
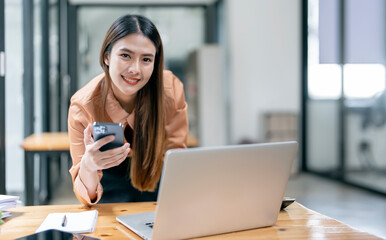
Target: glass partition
[[346, 104]]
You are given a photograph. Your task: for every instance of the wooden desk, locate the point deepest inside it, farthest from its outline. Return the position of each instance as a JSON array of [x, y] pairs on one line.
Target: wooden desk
[[44, 144], [297, 222]]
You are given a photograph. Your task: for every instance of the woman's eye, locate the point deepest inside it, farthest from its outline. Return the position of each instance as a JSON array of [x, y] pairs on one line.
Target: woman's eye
[[147, 60], [125, 55]]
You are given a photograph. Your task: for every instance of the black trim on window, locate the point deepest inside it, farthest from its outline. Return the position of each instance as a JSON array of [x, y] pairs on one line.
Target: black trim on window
[[2, 102], [28, 63], [304, 86]]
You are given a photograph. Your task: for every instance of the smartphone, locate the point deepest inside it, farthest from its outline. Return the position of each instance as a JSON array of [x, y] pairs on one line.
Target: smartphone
[[56, 234], [103, 129]]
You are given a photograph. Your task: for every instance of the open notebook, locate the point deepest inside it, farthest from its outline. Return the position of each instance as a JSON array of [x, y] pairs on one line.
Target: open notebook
[[80, 222]]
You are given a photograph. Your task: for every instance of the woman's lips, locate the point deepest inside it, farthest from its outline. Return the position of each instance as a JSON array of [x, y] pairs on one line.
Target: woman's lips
[[130, 80]]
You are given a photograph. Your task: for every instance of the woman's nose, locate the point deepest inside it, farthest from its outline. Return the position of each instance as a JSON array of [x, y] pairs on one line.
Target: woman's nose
[[134, 67]]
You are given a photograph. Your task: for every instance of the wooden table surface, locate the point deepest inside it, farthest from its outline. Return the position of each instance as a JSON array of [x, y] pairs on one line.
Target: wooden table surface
[[52, 141], [296, 222], [59, 141]]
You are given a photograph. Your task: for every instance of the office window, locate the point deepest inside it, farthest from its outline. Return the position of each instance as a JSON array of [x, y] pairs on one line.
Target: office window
[[14, 121], [346, 98], [363, 80], [324, 81], [359, 65]]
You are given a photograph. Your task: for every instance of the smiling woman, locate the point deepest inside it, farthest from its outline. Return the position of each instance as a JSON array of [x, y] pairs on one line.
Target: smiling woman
[[147, 100], [131, 64]]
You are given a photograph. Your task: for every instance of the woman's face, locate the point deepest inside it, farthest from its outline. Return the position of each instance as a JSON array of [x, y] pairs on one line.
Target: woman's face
[[131, 64]]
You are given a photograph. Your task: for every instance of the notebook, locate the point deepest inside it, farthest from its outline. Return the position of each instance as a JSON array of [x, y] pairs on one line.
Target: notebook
[[78, 222], [214, 190]]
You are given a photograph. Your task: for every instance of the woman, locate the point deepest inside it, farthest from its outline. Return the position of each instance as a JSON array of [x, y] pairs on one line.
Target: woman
[[133, 90]]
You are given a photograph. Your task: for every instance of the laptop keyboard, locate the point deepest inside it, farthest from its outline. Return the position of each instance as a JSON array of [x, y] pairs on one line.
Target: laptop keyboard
[[150, 224]]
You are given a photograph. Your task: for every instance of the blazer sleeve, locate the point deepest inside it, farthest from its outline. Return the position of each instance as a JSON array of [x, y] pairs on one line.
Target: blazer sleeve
[[78, 119], [177, 127]]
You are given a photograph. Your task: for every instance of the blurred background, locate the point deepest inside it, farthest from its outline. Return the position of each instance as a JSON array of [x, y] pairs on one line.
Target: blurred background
[[253, 71]]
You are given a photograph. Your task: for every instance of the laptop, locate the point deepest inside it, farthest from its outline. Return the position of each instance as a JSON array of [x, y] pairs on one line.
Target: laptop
[[214, 190]]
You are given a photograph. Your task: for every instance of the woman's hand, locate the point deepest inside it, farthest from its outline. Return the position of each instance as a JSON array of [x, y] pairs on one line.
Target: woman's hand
[[93, 159]]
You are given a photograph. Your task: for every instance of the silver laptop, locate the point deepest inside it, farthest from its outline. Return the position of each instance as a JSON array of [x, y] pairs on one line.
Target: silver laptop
[[213, 190]]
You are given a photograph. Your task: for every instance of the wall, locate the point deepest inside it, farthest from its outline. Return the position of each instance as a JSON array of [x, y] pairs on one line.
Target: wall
[[264, 42], [205, 96]]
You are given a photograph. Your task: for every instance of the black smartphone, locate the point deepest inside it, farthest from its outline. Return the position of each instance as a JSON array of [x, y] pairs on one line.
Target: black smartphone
[[56, 235], [103, 129], [286, 202]]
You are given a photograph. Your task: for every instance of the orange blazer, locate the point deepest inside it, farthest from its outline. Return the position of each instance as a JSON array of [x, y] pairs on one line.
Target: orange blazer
[[85, 108]]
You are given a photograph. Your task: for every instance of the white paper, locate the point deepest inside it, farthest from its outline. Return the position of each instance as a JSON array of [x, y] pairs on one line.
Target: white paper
[[8, 198], [5, 206], [81, 222], [7, 202]]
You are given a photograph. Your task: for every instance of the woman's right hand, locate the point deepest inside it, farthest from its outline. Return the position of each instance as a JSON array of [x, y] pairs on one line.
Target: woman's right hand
[[94, 159]]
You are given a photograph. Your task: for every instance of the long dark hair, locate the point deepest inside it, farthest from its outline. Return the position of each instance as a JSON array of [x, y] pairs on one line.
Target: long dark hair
[[149, 126]]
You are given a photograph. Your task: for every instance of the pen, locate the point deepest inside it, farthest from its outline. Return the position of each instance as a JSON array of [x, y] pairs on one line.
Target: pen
[[64, 222]]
